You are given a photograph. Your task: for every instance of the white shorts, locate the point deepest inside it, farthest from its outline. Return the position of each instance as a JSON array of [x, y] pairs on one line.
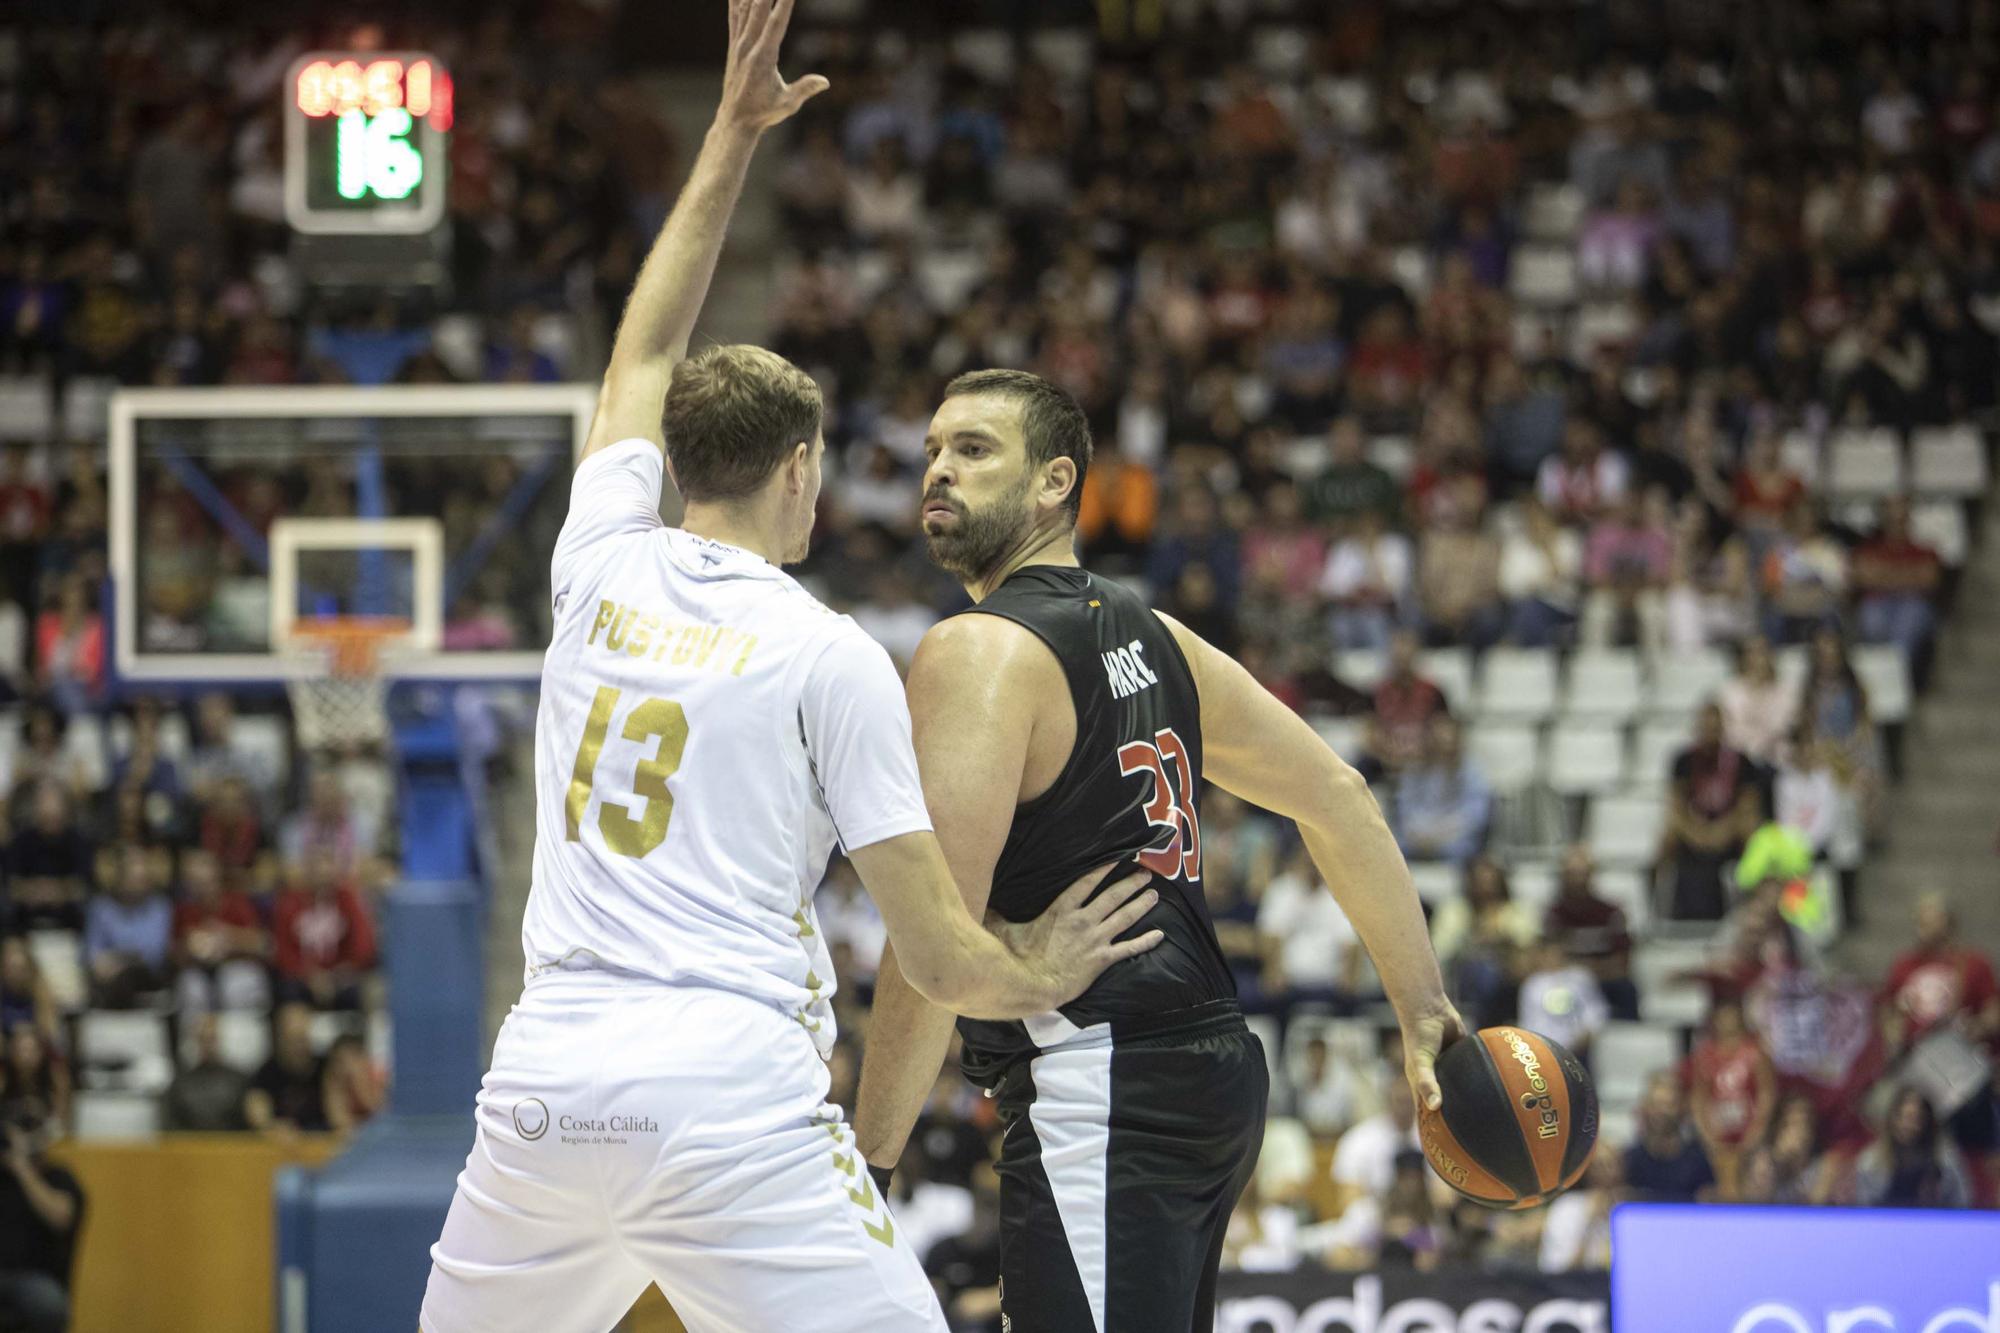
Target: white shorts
[[630, 1134]]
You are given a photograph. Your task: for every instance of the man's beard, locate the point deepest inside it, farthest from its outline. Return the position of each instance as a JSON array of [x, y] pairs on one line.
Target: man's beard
[[974, 547]]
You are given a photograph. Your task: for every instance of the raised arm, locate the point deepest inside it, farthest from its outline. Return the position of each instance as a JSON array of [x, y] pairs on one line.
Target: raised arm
[[659, 315], [1255, 747]]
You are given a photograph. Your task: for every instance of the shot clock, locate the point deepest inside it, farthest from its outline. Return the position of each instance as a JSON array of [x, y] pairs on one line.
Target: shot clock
[[365, 142]]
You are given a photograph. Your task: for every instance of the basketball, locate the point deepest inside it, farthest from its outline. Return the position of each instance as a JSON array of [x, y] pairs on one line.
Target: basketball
[[1518, 1122]]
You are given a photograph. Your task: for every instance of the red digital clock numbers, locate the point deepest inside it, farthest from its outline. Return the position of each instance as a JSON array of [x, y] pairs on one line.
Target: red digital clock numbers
[[336, 88]]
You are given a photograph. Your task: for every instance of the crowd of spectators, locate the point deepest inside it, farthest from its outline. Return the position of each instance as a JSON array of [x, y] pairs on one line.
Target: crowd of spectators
[[1532, 329]]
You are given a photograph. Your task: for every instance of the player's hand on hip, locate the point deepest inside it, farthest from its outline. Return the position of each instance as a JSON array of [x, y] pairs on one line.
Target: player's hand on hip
[[754, 95], [1424, 1039], [1077, 938]]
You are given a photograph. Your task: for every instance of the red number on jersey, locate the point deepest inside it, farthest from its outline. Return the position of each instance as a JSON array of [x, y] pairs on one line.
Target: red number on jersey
[[1181, 857]]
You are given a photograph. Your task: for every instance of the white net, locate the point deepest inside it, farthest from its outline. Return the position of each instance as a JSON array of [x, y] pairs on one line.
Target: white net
[[334, 675]]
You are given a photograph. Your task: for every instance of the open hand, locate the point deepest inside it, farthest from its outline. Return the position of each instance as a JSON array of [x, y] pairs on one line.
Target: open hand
[[1077, 939], [754, 95]]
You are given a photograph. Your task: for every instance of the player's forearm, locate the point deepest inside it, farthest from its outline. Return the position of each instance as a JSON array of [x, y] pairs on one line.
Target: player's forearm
[[1356, 855], [969, 970], [907, 1040], [667, 296]]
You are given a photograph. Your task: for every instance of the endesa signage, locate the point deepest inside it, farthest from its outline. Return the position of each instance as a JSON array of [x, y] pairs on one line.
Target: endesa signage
[[1706, 1268], [1311, 1300]]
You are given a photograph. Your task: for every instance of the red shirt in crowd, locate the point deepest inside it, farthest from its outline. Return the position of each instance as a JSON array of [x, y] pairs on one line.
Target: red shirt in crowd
[[1729, 1077], [231, 910], [319, 933], [1769, 496], [1890, 563], [1930, 987]]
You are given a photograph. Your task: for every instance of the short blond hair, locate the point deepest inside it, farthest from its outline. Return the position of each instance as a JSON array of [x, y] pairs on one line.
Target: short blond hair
[[733, 412]]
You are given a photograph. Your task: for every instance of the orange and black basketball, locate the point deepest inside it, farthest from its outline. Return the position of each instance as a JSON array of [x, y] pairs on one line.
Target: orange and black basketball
[[1518, 1122]]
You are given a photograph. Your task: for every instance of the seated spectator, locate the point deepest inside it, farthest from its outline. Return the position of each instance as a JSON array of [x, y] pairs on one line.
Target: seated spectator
[[1282, 553], [1364, 1163], [330, 821], [1733, 1092], [1834, 700], [1311, 949], [1326, 1092], [1561, 1000], [41, 1213], [230, 829], [1120, 505], [1896, 581], [1481, 938], [220, 753], [1458, 584], [1615, 246], [69, 647], [208, 1095], [354, 1091], [1787, 1167], [1939, 982], [1626, 562], [289, 1093], [221, 950], [1765, 491], [1351, 485], [48, 865], [1712, 807], [1195, 536], [34, 1080], [324, 937], [1758, 709], [1912, 1164], [130, 932], [1541, 566], [1366, 583], [24, 992], [1524, 421], [1443, 803], [1813, 796], [1666, 1163], [1577, 484], [1593, 932], [1803, 578]]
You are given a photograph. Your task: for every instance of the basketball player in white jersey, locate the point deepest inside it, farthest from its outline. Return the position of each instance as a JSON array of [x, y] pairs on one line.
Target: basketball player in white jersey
[[656, 1107]]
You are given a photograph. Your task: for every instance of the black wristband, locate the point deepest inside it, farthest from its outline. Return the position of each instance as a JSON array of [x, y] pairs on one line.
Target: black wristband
[[880, 1175]]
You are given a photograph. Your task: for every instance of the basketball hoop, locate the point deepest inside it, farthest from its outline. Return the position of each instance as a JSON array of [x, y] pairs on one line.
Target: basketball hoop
[[334, 675]]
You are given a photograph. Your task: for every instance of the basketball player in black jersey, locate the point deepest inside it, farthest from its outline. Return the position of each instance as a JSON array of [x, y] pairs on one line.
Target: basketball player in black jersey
[[1061, 724]]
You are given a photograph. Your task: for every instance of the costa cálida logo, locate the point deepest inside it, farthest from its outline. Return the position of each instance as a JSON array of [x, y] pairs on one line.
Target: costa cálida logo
[[1537, 1099]]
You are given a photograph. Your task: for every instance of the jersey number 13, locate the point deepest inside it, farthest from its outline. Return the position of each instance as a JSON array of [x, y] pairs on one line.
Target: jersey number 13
[[650, 719]]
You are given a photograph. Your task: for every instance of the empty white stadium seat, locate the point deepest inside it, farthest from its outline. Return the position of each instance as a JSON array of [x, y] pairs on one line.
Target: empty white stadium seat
[[1394, 454], [125, 1051], [243, 1036], [987, 52], [1669, 990], [1537, 331], [1601, 323], [1363, 668], [1626, 889], [1345, 736], [58, 956], [1508, 753], [83, 743], [264, 736], [1625, 830], [26, 412], [1533, 885], [1886, 676], [1617, 1127], [1543, 276], [1799, 451], [1450, 669], [1949, 461], [1411, 266], [1068, 52], [1281, 52], [112, 1116], [1586, 758], [1518, 683], [1865, 463], [1305, 455], [1791, 664], [86, 407], [1604, 683], [1654, 750], [1554, 212], [1436, 881], [1941, 524], [1625, 1055], [1683, 682]]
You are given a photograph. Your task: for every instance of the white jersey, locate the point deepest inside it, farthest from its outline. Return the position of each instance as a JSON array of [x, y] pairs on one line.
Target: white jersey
[[707, 731]]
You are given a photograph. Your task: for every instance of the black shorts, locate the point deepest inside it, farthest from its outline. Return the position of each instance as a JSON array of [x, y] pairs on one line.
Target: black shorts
[[1122, 1160]]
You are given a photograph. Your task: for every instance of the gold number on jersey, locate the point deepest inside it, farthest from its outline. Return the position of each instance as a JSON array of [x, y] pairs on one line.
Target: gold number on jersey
[[653, 719]]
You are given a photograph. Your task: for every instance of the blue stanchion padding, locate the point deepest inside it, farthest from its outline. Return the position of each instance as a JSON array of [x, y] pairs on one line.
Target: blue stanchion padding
[[437, 976]]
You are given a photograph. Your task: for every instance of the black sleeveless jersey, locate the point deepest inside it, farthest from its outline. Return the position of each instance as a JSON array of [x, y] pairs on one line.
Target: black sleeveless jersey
[[1130, 794]]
